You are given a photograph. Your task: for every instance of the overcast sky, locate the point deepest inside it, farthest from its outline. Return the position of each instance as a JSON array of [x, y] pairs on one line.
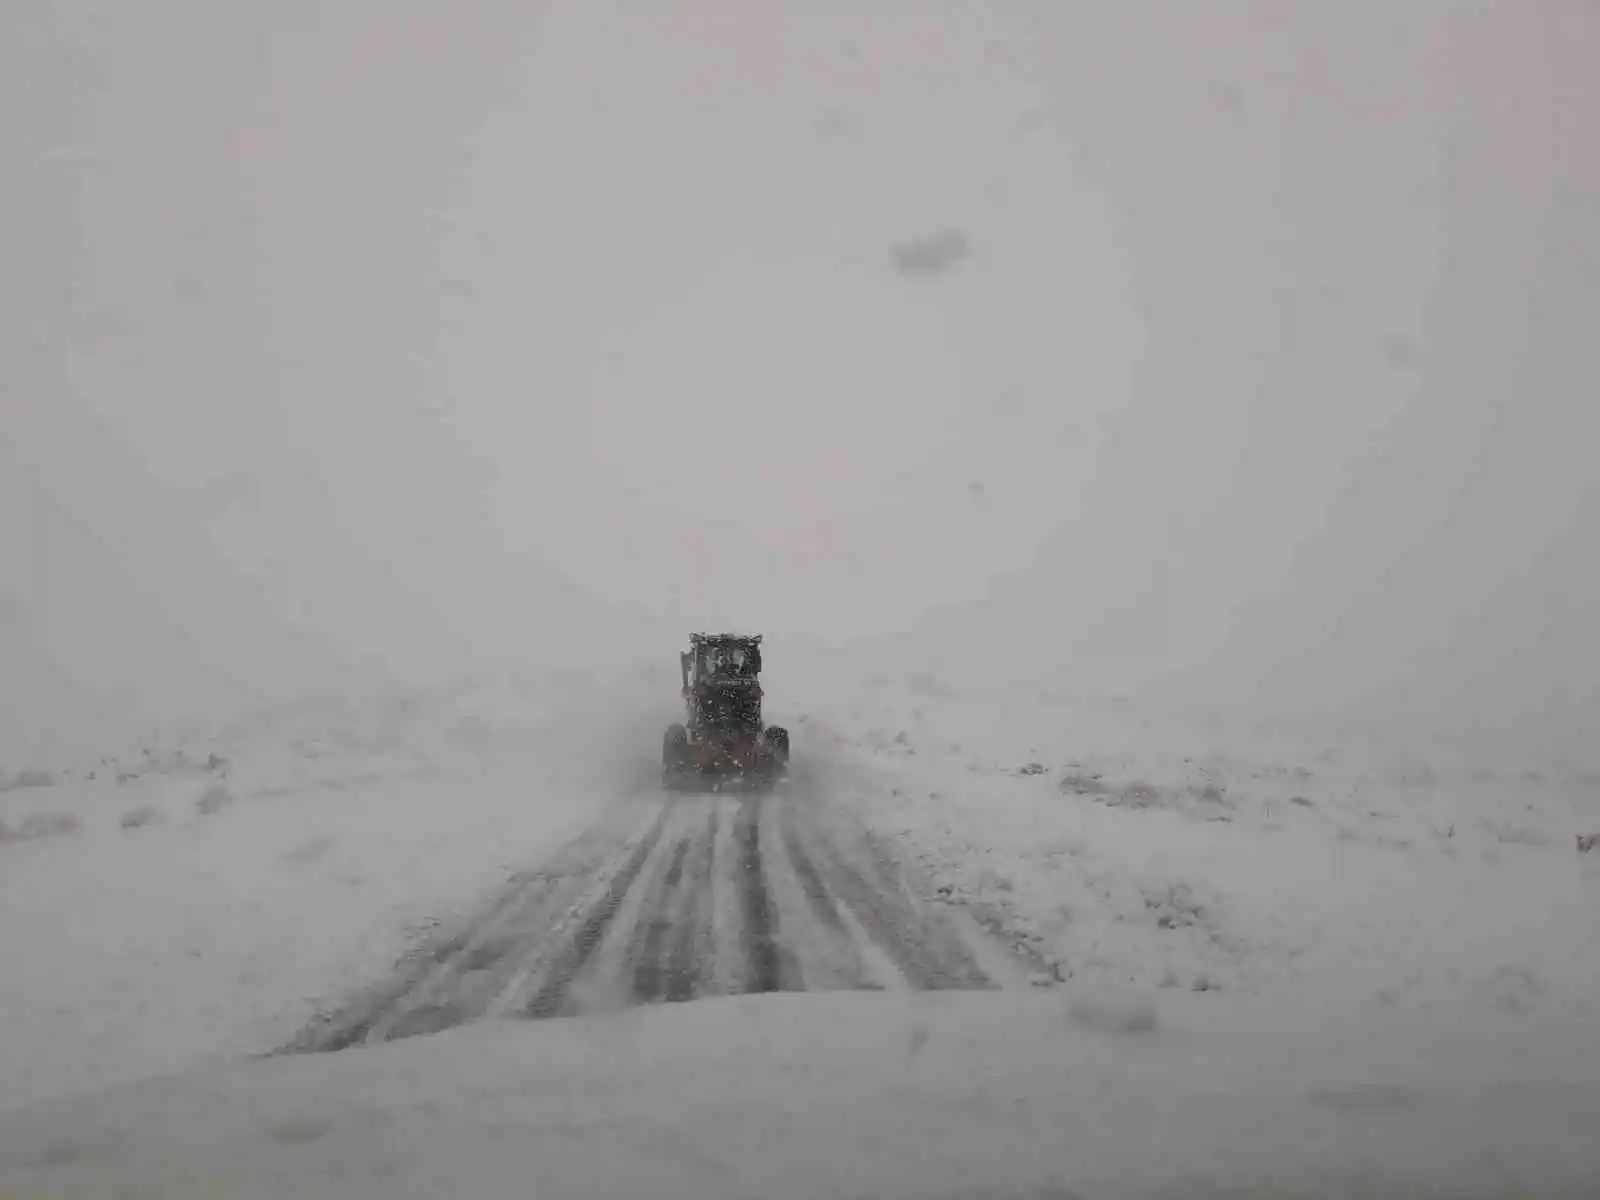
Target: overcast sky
[[1245, 348]]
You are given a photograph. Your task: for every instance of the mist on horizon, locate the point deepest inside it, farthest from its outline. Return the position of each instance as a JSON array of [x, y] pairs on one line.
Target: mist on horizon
[[1237, 353]]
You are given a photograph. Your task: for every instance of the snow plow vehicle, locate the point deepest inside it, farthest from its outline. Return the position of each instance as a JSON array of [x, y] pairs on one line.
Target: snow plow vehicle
[[722, 742]]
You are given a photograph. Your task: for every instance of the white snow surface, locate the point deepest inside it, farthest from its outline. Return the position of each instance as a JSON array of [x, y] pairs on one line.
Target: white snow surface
[[1221, 912], [1213, 861], [853, 1095], [158, 913]]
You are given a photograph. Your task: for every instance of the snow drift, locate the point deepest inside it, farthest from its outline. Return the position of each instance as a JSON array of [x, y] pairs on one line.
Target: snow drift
[[953, 1095]]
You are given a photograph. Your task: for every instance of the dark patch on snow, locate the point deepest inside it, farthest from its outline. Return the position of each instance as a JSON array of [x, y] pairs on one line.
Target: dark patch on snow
[[1228, 97], [65, 1151], [1401, 352], [1079, 784], [1174, 906], [1132, 1015], [138, 818], [1138, 795], [28, 779], [214, 799], [1364, 1097], [931, 254], [39, 825]]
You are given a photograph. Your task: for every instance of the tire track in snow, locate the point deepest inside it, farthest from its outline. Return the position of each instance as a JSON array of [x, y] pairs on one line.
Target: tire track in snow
[[761, 953], [552, 992], [656, 924], [816, 892], [695, 895], [692, 943], [928, 957], [426, 979]]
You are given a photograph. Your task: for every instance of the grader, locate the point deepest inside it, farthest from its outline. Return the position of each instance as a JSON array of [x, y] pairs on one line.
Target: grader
[[722, 740]]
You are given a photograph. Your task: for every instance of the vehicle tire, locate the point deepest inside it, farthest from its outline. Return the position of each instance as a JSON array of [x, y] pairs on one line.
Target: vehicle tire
[[674, 757], [674, 746]]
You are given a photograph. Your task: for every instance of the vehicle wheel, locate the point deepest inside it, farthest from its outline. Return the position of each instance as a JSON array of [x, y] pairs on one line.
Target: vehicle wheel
[[778, 739], [674, 756], [674, 746]]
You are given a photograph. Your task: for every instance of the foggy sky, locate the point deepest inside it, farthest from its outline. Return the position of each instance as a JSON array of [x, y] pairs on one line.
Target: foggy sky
[[1241, 349]]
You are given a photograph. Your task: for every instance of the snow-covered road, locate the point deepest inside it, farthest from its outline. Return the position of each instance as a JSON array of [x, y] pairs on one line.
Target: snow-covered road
[[669, 898]]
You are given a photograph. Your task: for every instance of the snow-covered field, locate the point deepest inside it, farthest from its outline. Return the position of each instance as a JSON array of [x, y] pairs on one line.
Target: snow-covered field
[[199, 895], [198, 898], [1214, 864]]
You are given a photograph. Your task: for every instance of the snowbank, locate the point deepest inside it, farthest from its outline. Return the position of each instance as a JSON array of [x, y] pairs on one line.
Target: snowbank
[[851, 1095]]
